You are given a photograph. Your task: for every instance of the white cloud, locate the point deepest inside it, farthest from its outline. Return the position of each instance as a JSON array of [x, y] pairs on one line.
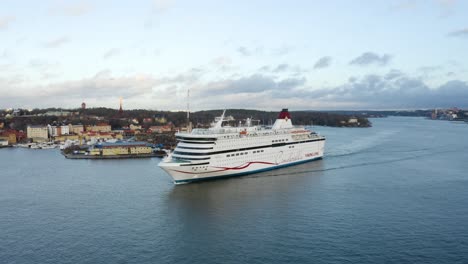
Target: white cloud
[[55, 43], [111, 53]]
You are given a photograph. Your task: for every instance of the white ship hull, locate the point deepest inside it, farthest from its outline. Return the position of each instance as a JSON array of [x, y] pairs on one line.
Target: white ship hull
[[269, 159], [224, 151]]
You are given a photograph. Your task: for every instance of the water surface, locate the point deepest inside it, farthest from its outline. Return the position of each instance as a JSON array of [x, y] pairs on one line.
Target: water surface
[[393, 193]]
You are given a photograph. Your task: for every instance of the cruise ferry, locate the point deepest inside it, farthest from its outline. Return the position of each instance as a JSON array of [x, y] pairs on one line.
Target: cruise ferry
[[226, 151]]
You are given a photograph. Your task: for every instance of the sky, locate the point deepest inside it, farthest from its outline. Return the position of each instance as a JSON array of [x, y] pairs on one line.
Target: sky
[[267, 55]]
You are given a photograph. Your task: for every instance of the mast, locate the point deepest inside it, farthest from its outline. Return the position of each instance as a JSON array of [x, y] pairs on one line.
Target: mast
[[189, 124], [188, 105]]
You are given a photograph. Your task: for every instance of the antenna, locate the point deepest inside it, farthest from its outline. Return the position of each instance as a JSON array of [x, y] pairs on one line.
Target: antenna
[[189, 124]]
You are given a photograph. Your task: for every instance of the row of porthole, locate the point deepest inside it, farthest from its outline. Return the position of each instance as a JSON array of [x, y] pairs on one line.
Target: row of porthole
[[279, 140], [202, 167], [243, 153]]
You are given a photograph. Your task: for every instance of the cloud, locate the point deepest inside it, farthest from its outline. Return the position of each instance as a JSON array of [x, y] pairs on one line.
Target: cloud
[[266, 90], [323, 62], [392, 74], [368, 58], [78, 8], [5, 22], [399, 92], [283, 50], [55, 43], [253, 84], [222, 61], [244, 51], [459, 33], [281, 68], [111, 53]]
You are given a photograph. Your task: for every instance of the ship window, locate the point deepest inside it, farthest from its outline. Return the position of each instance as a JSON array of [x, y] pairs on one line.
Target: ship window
[[237, 154], [228, 155], [242, 153]]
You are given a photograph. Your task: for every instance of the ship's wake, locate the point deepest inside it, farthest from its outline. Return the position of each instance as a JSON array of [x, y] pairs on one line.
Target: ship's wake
[[425, 153], [360, 145]]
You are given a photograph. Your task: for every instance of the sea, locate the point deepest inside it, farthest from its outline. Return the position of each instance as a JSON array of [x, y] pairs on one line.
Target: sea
[[393, 193]]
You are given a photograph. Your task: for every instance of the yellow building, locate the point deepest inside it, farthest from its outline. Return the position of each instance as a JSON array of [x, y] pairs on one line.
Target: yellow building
[[11, 138], [103, 136], [76, 129], [99, 128], [37, 133], [116, 149]]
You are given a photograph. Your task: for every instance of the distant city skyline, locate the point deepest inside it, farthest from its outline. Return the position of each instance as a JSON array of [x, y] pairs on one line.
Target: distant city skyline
[[268, 55]]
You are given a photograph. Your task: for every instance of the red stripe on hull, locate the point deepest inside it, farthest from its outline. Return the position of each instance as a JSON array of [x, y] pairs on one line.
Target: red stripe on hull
[[229, 168]]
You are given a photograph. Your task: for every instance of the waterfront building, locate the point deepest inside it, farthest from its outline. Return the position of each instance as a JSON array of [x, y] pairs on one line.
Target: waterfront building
[[100, 135], [75, 129], [101, 127], [55, 131], [9, 137], [3, 142], [37, 133], [124, 148]]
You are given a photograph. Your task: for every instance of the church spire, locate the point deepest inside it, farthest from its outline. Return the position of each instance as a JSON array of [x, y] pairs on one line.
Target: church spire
[[120, 109]]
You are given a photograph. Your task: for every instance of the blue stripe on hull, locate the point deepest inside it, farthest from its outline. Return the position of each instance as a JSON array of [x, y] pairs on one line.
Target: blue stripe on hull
[[246, 173]]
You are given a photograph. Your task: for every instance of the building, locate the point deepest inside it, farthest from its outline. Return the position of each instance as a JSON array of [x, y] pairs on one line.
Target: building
[[83, 106], [55, 131], [353, 121], [160, 119], [37, 133], [75, 129], [134, 127], [124, 148], [9, 137], [100, 136], [102, 127], [160, 129], [3, 143], [57, 113]]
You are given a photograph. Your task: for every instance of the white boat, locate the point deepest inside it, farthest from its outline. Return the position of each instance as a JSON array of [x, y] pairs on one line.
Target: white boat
[[223, 151]]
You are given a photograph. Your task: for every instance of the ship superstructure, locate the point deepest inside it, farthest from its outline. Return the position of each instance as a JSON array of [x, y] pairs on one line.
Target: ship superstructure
[[225, 151]]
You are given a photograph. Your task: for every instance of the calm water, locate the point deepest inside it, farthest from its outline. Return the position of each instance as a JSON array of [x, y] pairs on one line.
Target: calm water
[[393, 193]]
